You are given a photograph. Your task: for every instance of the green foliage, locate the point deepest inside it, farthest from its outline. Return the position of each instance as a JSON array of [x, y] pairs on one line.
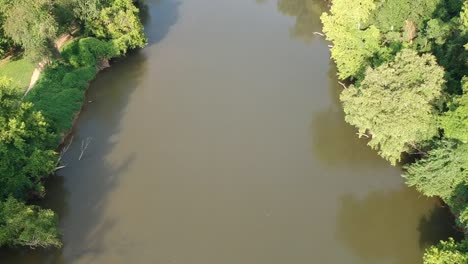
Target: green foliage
[[464, 16], [444, 37], [86, 11], [455, 121], [24, 137], [395, 103], [60, 91], [444, 173], [354, 41], [6, 44], [447, 252], [30, 129], [22, 225], [119, 22], [399, 100], [62, 11], [88, 51], [441, 172], [438, 31], [57, 102], [29, 23], [391, 15]]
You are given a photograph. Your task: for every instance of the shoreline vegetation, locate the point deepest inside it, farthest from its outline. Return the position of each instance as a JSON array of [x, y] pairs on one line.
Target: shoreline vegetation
[[406, 65], [34, 125]]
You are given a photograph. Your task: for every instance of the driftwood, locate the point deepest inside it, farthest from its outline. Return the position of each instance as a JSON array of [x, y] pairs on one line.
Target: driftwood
[[342, 84], [319, 33], [363, 135], [84, 146], [60, 167], [65, 149], [62, 152], [420, 151]]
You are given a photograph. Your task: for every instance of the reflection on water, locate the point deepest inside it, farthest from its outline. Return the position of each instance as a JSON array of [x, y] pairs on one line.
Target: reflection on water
[[336, 143], [307, 13], [158, 21], [369, 225]]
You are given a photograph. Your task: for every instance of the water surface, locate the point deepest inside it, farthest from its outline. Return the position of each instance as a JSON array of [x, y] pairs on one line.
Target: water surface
[[223, 142]]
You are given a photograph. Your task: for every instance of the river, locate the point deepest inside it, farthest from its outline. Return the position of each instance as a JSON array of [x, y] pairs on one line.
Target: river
[[223, 142]]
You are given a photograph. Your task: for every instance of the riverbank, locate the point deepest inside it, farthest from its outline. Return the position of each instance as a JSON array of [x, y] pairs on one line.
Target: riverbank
[[409, 91], [35, 124]]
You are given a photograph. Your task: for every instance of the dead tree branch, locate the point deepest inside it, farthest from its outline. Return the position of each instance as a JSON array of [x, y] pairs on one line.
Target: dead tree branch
[[342, 84], [84, 146], [65, 149], [60, 167]]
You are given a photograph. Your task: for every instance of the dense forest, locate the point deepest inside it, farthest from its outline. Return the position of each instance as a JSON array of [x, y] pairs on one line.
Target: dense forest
[[404, 64], [33, 125]]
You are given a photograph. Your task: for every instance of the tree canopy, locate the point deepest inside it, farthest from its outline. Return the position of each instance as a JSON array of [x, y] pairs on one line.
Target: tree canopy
[[354, 40], [24, 137], [447, 252], [441, 172], [409, 93], [118, 21], [22, 225], [396, 103], [455, 121], [30, 23]]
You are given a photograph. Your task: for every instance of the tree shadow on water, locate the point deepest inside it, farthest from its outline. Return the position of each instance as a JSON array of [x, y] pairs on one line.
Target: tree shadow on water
[[307, 14], [158, 16], [387, 226], [434, 227], [335, 142], [438, 225]]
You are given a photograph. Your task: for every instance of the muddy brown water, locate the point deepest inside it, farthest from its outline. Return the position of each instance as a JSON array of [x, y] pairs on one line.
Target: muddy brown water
[[223, 142]]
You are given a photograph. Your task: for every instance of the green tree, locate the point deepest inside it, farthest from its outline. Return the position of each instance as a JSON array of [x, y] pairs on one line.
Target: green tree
[[62, 11], [445, 38], [6, 44], [391, 15], [441, 172], [22, 225], [464, 16], [24, 139], [86, 11], [395, 103], [30, 24], [455, 121], [447, 252], [354, 41], [119, 22]]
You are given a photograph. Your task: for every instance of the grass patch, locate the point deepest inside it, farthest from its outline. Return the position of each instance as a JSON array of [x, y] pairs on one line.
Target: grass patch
[[19, 70]]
